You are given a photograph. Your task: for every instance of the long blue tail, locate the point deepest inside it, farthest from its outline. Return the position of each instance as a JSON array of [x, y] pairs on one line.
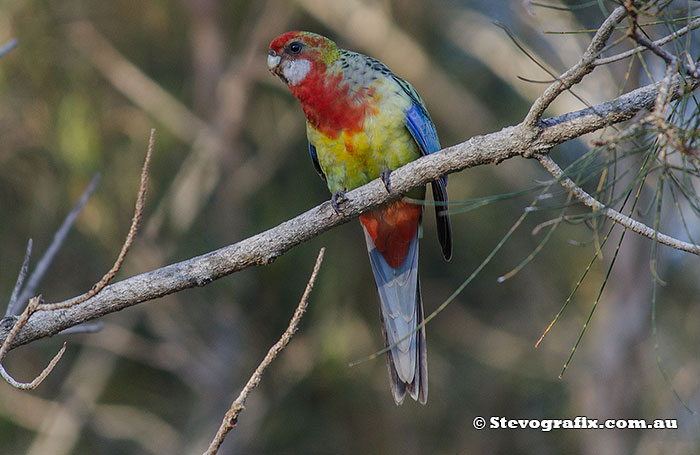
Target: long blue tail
[[401, 311]]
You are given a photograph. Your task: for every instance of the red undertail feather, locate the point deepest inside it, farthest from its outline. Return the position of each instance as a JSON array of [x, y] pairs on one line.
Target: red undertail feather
[[392, 228]]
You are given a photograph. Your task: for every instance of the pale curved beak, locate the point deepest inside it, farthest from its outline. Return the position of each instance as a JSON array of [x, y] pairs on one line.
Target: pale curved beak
[[273, 60]]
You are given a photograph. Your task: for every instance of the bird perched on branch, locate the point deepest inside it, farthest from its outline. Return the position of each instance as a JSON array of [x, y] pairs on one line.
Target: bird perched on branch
[[362, 122]]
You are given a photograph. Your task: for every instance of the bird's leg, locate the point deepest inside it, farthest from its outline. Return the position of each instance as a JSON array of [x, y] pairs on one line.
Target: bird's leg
[[338, 201], [386, 178]]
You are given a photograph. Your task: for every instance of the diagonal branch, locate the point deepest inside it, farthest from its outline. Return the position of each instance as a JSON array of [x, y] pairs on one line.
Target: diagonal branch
[[634, 225], [231, 417], [577, 72], [264, 248], [135, 221], [660, 42]]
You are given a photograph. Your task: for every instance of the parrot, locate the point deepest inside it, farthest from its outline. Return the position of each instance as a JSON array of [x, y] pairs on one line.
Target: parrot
[[362, 122]]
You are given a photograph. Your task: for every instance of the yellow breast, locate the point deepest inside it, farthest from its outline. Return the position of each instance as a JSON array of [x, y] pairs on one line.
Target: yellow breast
[[352, 159]]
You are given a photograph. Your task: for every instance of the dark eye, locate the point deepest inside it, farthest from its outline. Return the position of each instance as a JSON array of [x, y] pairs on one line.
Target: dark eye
[[294, 48]]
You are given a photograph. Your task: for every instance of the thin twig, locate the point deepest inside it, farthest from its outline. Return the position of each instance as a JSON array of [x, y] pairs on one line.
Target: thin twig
[[59, 237], [231, 418], [541, 65], [668, 57], [640, 38], [660, 42], [577, 72], [39, 379], [35, 304], [634, 225], [23, 318], [13, 307], [663, 99], [690, 68], [136, 219]]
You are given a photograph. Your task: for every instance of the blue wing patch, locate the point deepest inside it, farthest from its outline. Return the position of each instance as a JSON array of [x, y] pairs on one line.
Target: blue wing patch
[[420, 125], [423, 131]]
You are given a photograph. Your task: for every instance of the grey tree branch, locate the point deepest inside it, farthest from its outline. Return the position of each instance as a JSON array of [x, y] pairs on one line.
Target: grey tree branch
[[634, 225], [577, 72], [660, 42], [521, 140]]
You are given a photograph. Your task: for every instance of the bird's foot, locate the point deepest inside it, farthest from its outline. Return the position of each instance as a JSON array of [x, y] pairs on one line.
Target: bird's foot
[[386, 178], [338, 201]]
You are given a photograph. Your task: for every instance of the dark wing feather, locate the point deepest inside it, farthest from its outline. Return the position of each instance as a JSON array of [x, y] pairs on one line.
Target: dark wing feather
[[422, 129], [314, 159]]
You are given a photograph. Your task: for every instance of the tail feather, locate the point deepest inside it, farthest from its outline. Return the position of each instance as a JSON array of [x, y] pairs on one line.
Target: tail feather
[[418, 388], [401, 311], [444, 230]]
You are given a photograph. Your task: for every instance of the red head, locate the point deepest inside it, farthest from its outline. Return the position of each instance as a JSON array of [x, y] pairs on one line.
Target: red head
[[294, 54], [301, 60]]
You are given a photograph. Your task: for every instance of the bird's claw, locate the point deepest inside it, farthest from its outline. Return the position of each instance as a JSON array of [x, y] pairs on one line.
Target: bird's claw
[[338, 201], [386, 178]]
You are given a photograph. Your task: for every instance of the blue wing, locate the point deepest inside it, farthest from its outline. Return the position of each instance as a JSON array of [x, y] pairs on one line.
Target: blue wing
[[422, 129]]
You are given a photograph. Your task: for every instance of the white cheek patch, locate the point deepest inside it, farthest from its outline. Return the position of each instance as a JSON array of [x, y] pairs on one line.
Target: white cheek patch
[[295, 70], [273, 60]]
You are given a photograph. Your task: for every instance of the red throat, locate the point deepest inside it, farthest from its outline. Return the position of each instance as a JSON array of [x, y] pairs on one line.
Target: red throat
[[328, 104], [392, 229]]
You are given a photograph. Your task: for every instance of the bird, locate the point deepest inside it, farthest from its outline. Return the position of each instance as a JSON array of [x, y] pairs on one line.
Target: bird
[[362, 122]]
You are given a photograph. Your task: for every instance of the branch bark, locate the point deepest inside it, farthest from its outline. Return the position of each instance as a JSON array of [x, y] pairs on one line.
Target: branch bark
[[640, 228], [262, 249]]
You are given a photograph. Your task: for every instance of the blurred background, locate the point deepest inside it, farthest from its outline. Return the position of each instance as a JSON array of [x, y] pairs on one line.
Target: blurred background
[[87, 82]]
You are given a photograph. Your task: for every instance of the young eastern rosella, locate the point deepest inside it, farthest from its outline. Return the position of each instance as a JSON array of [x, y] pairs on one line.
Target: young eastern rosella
[[363, 121]]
